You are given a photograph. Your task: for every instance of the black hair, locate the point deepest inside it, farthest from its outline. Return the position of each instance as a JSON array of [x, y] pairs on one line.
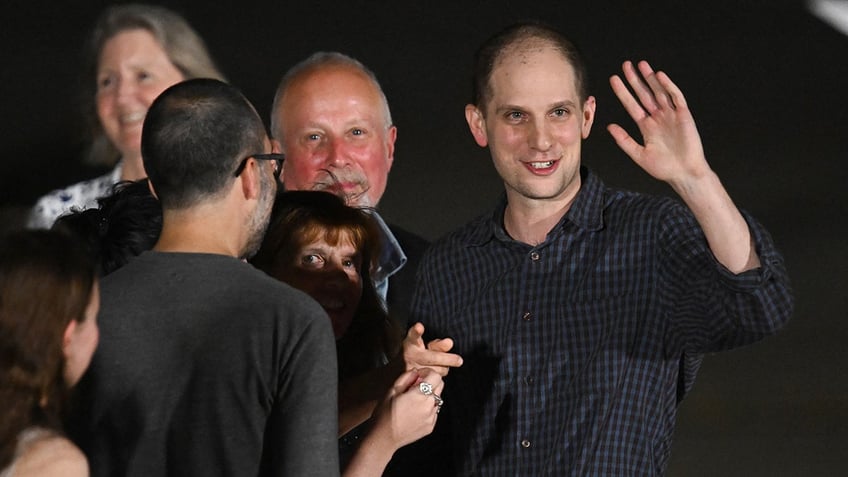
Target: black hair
[[194, 135], [126, 223]]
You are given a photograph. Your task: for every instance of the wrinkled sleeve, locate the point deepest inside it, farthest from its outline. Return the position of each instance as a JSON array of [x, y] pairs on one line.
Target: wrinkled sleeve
[[714, 309]]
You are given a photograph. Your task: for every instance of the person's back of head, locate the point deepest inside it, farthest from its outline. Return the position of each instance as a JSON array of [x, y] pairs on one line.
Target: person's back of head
[[126, 223], [194, 135], [46, 281]]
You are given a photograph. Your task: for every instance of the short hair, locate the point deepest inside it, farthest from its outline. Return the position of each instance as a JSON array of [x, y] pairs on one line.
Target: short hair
[[183, 45], [194, 134], [46, 281], [515, 37], [300, 216], [317, 61], [125, 223]]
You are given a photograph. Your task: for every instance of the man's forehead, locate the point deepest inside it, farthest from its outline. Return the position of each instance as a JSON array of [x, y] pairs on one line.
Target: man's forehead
[[528, 82], [343, 92], [338, 116], [527, 67], [529, 51], [327, 78]]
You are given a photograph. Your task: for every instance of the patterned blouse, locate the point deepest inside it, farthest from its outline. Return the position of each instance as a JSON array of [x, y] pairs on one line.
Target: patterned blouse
[[80, 196]]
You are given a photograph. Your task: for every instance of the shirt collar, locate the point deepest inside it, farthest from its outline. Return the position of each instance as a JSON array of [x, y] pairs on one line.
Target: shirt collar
[[586, 211], [392, 257]]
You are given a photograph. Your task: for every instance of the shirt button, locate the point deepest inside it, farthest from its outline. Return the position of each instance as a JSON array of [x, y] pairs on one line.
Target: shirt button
[[529, 380], [525, 443], [527, 316], [534, 256]]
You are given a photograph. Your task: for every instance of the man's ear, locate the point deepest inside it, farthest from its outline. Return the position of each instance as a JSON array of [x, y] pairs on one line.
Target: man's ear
[[588, 116], [251, 183], [477, 124], [277, 147], [391, 137]]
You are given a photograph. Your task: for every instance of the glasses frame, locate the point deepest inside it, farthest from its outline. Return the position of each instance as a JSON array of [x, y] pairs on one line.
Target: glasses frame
[[272, 156]]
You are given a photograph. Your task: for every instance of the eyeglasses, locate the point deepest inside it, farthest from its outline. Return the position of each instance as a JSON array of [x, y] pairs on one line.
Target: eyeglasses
[[277, 158]]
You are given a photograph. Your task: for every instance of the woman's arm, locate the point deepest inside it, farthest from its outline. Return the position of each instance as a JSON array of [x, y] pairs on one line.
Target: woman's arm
[[404, 416]]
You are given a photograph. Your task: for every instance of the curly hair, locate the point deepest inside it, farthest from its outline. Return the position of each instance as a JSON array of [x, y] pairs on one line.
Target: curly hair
[[126, 223]]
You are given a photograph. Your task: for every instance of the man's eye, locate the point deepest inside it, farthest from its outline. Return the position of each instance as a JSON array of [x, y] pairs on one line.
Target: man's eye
[[357, 132], [313, 137], [560, 112], [515, 115]]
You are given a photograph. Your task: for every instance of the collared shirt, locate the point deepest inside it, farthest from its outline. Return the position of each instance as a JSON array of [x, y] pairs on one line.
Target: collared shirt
[[392, 258], [80, 196], [577, 351]]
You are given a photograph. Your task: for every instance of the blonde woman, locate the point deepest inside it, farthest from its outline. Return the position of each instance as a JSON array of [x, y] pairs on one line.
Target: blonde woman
[[135, 52]]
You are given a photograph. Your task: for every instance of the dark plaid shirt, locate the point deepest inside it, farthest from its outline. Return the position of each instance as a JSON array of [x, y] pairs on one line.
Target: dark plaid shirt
[[577, 351]]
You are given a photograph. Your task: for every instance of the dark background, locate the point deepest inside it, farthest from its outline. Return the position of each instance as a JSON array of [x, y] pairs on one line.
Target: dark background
[[766, 83]]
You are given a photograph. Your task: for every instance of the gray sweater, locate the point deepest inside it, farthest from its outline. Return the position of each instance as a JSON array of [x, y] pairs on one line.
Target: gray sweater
[[207, 366]]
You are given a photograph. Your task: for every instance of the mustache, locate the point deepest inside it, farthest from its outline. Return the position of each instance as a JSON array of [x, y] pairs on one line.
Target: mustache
[[331, 181]]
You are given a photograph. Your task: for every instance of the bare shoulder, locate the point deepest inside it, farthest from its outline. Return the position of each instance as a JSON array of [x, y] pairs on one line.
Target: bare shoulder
[[52, 455]]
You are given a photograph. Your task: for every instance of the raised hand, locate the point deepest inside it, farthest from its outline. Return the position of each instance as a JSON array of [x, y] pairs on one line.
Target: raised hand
[[672, 151]]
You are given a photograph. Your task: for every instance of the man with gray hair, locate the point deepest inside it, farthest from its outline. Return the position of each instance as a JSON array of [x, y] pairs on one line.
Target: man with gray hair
[[208, 366], [331, 119]]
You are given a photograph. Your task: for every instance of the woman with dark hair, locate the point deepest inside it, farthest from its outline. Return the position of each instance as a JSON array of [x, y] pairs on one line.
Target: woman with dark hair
[[125, 223], [134, 53], [48, 332], [321, 246], [307, 232]]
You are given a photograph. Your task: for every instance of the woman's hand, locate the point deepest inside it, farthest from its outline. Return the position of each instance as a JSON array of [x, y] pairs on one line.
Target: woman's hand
[[405, 415]]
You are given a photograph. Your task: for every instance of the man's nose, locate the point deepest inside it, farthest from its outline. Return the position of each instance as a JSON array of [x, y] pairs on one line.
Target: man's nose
[[337, 152], [540, 135]]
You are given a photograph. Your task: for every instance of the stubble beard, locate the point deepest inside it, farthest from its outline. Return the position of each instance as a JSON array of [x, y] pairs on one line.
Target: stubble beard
[[258, 222]]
